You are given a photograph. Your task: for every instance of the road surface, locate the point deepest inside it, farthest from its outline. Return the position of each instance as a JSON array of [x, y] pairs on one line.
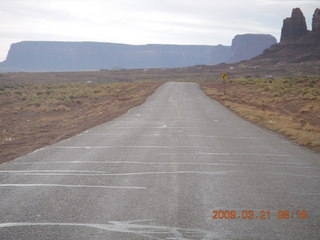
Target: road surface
[[160, 172]]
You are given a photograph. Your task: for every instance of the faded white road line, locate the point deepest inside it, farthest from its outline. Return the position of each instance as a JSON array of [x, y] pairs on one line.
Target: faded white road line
[[54, 173], [134, 227], [70, 186]]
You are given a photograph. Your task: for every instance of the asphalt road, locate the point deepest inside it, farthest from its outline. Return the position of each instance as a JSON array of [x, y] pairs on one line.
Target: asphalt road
[[159, 172]]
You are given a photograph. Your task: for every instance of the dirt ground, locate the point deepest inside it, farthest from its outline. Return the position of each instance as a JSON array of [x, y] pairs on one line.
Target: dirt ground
[[37, 115]]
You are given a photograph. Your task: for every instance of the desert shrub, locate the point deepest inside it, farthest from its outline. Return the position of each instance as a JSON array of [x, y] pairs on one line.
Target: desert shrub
[[18, 92]]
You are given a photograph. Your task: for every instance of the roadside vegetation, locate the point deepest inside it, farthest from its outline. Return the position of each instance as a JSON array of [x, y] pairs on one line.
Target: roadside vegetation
[[35, 115], [37, 109], [289, 106]]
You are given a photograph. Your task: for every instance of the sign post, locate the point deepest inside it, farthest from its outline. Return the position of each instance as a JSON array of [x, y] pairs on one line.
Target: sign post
[[224, 76]]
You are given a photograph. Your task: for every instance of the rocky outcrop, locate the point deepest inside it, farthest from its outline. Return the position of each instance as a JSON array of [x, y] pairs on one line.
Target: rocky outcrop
[[294, 27], [297, 45], [316, 21], [247, 46]]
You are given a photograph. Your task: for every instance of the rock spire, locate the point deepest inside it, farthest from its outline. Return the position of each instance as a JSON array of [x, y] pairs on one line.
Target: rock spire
[[316, 21], [294, 27]]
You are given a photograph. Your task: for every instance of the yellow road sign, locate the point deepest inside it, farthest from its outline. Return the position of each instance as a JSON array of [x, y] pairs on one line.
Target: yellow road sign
[[224, 76]]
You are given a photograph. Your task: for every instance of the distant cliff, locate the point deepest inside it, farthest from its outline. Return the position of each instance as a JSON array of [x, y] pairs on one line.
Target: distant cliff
[[81, 56], [74, 56], [247, 46]]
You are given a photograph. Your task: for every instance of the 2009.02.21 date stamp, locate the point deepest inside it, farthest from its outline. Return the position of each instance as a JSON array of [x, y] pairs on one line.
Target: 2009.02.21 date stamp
[[262, 214]]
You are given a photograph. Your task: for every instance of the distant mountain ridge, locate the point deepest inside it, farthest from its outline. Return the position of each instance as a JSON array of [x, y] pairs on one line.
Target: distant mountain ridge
[[81, 56], [75, 56]]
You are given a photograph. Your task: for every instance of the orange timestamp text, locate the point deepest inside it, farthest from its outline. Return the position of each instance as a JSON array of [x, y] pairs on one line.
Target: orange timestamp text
[[261, 214]]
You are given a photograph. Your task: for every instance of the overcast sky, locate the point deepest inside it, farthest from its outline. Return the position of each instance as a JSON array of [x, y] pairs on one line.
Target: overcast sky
[[208, 22]]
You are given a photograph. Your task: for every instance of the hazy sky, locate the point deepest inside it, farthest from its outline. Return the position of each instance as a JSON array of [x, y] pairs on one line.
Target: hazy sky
[[207, 22]]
